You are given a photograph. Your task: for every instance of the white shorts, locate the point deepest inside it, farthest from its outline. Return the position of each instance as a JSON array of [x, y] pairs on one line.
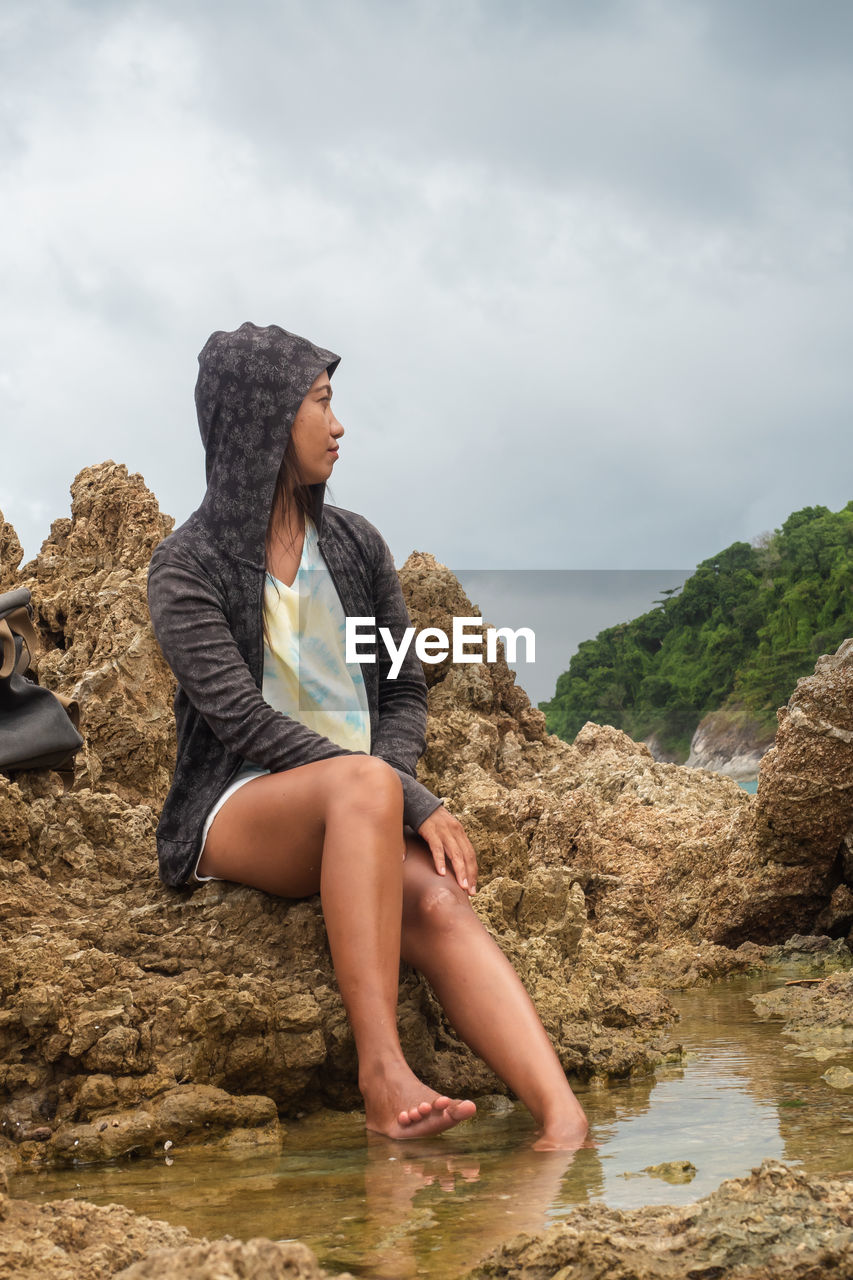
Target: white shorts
[[229, 791]]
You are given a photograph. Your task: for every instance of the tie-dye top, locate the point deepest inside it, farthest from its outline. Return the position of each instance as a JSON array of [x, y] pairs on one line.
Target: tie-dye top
[[305, 674]]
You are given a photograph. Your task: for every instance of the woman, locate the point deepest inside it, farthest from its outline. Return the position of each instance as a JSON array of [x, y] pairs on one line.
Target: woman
[[295, 773]]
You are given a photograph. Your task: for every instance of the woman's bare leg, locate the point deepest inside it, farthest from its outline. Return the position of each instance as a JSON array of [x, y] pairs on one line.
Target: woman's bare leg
[[337, 826], [484, 997]]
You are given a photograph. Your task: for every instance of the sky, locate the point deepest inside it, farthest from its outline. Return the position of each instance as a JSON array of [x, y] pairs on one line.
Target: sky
[[587, 264]]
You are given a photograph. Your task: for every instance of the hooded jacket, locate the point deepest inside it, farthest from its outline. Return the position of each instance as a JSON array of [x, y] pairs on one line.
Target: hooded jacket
[[206, 587]]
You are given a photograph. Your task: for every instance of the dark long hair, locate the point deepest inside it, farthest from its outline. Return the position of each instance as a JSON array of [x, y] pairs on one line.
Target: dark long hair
[[291, 493]]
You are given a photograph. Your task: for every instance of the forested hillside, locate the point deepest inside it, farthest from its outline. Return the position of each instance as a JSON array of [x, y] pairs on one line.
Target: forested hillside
[[745, 625]]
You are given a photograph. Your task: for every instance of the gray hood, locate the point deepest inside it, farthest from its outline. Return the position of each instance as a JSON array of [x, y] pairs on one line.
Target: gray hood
[[250, 385]]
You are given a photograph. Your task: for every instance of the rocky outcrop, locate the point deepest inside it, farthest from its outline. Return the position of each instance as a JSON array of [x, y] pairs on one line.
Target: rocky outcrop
[[776, 1223], [818, 1018], [230, 1260], [134, 1015], [666, 855], [605, 874], [729, 741], [786, 856], [73, 1240], [11, 554], [88, 585], [804, 803]]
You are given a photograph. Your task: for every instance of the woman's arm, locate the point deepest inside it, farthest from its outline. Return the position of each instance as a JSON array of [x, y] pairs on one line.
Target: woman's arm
[[196, 640], [401, 736]]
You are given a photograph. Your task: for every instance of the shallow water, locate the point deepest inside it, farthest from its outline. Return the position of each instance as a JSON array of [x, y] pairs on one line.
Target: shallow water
[[432, 1208]]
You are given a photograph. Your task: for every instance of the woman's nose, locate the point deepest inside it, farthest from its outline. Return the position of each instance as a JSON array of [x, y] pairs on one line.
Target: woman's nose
[[337, 429]]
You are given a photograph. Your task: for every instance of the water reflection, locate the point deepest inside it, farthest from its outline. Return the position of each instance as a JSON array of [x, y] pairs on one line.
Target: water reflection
[[434, 1213], [432, 1207]]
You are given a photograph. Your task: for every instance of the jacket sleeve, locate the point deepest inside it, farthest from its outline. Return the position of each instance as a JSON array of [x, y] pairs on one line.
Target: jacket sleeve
[[196, 640], [401, 736]]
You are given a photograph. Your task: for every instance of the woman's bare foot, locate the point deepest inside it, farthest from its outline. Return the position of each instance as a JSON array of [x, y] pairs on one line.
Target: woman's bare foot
[[398, 1105], [565, 1134]]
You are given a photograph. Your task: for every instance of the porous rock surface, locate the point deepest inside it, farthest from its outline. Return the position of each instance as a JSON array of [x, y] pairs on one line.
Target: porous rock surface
[[257, 1259], [133, 1015], [74, 1240], [778, 1223], [817, 1016]]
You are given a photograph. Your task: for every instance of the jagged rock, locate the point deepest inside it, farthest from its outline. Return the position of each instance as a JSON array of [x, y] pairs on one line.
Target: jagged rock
[[786, 852], [804, 803], [836, 918], [777, 1223], [230, 1260], [667, 853], [72, 1240], [11, 554], [818, 1017], [185, 1115], [729, 741], [672, 1171], [838, 1077], [88, 586]]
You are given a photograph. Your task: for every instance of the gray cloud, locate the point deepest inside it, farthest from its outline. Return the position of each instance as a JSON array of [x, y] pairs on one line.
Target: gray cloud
[[587, 265]]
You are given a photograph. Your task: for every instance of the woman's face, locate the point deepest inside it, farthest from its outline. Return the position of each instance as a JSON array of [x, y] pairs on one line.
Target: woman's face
[[316, 431]]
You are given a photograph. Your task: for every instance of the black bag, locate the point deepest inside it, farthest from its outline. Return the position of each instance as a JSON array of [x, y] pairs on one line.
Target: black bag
[[39, 729]]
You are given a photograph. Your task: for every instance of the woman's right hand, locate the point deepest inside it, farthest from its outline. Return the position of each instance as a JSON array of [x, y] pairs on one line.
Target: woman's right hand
[[448, 841]]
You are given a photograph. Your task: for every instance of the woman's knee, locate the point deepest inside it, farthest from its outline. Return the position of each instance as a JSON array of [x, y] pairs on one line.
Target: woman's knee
[[366, 784], [436, 904]]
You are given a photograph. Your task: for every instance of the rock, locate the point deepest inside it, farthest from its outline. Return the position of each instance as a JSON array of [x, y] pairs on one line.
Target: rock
[[88, 586], [229, 1260], [818, 1017], [787, 848], [72, 1240], [673, 853], [814, 954], [776, 1223], [846, 853], [729, 741], [673, 1171], [136, 996], [838, 1077], [836, 918], [11, 554], [185, 1115]]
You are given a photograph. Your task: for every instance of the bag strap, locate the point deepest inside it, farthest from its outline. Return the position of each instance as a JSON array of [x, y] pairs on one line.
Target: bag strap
[[72, 708], [19, 621]]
